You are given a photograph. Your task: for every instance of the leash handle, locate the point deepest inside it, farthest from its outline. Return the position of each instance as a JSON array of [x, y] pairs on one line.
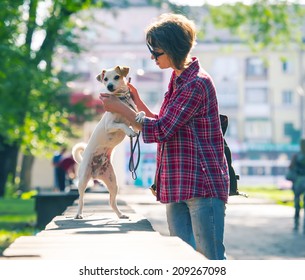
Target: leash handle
[[132, 166]]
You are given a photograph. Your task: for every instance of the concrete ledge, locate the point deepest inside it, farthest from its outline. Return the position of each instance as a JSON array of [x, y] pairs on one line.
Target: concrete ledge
[[100, 235]]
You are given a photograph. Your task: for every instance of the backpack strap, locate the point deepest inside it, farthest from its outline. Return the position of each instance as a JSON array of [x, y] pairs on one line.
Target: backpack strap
[[233, 177]]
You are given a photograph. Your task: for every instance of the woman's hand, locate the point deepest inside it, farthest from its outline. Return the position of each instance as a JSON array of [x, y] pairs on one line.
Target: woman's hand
[[133, 92], [111, 103], [139, 102]]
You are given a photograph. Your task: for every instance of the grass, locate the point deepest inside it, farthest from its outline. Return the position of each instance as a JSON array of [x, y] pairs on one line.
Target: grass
[[282, 197], [17, 218]]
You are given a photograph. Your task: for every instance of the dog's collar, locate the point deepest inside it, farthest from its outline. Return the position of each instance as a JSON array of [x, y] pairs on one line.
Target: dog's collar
[[125, 97]]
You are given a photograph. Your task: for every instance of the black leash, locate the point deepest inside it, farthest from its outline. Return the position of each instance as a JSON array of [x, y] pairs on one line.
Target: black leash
[[132, 166]]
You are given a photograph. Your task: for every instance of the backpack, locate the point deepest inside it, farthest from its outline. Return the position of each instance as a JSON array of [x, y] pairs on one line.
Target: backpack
[[233, 177]]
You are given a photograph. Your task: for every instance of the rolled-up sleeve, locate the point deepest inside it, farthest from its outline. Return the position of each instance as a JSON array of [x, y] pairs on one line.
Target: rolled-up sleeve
[[148, 131]]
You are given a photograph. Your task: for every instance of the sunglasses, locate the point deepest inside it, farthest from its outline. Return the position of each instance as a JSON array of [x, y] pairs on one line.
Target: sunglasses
[[155, 54]]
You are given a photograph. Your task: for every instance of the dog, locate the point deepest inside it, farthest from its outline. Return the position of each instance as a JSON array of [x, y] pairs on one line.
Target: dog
[[94, 158]]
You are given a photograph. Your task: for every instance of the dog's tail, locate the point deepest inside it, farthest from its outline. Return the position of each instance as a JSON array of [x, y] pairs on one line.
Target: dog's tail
[[77, 151]]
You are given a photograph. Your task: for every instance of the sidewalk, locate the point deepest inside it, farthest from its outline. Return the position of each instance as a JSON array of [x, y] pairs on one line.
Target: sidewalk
[[255, 229], [260, 230], [100, 236]]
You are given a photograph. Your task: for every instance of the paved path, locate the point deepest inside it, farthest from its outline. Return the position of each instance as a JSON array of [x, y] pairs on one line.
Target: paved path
[[256, 229], [262, 231]]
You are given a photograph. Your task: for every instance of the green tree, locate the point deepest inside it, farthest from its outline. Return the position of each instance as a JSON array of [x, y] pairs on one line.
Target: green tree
[[34, 107], [264, 24]]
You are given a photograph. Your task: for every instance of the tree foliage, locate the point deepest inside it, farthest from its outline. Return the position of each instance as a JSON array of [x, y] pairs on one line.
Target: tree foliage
[[263, 24], [34, 107]]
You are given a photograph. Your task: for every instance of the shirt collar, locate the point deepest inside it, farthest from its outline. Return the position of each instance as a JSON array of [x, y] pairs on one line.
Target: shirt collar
[[189, 72]]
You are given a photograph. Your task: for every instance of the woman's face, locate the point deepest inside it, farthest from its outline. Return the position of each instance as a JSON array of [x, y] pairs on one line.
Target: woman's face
[[160, 57], [163, 61]]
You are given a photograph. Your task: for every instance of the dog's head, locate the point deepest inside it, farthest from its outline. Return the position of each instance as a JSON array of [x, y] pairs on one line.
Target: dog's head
[[114, 79]]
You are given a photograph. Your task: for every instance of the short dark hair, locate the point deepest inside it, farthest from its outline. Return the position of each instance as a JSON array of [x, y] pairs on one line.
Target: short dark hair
[[175, 35]]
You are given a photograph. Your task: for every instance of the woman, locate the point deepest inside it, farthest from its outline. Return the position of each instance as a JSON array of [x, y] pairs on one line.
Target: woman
[[192, 172]]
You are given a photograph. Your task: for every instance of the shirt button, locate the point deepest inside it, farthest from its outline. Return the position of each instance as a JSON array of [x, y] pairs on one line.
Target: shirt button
[[203, 169]]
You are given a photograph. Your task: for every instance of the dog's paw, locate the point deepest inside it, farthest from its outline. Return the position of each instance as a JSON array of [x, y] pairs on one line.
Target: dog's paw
[[131, 133], [140, 117], [78, 217]]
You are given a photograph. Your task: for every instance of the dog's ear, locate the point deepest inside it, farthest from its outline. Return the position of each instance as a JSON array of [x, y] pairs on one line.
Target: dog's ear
[[103, 74], [100, 77], [122, 70]]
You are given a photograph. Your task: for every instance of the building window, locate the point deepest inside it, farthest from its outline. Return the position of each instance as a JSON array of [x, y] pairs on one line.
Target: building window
[[256, 68], [232, 130], [256, 95], [226, 71], [258, 130], [287, 97], [287, 67]]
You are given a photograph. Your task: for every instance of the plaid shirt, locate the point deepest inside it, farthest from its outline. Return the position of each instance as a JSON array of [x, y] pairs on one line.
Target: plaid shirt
[[190, 154]]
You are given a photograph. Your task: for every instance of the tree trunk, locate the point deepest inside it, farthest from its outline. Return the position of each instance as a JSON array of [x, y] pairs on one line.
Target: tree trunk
[[8, 156], [26, 173]]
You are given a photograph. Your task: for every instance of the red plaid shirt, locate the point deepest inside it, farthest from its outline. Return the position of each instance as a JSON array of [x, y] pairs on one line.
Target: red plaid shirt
[[190, 154]]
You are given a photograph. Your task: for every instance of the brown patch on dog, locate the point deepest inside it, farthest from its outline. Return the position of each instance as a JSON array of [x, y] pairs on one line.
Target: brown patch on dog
[[100, 164], [122, 70]]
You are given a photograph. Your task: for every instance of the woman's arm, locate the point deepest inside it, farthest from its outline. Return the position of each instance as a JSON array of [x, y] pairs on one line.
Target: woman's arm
[[139, 102]]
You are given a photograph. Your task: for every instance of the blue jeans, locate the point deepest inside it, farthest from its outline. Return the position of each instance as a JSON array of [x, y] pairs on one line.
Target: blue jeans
[[200, 223]]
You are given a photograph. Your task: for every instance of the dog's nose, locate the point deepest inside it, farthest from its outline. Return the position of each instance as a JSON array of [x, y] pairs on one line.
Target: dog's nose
[[110, 87]]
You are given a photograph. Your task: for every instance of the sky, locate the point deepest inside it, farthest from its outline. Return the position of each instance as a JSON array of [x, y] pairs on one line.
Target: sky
[[216, 2]]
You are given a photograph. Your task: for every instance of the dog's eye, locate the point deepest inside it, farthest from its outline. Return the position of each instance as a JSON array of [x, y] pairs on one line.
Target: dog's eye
[[106, 79], [117, 77]]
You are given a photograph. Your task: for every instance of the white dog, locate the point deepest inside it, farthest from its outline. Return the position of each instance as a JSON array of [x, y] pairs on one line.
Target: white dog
[[94, 158]]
